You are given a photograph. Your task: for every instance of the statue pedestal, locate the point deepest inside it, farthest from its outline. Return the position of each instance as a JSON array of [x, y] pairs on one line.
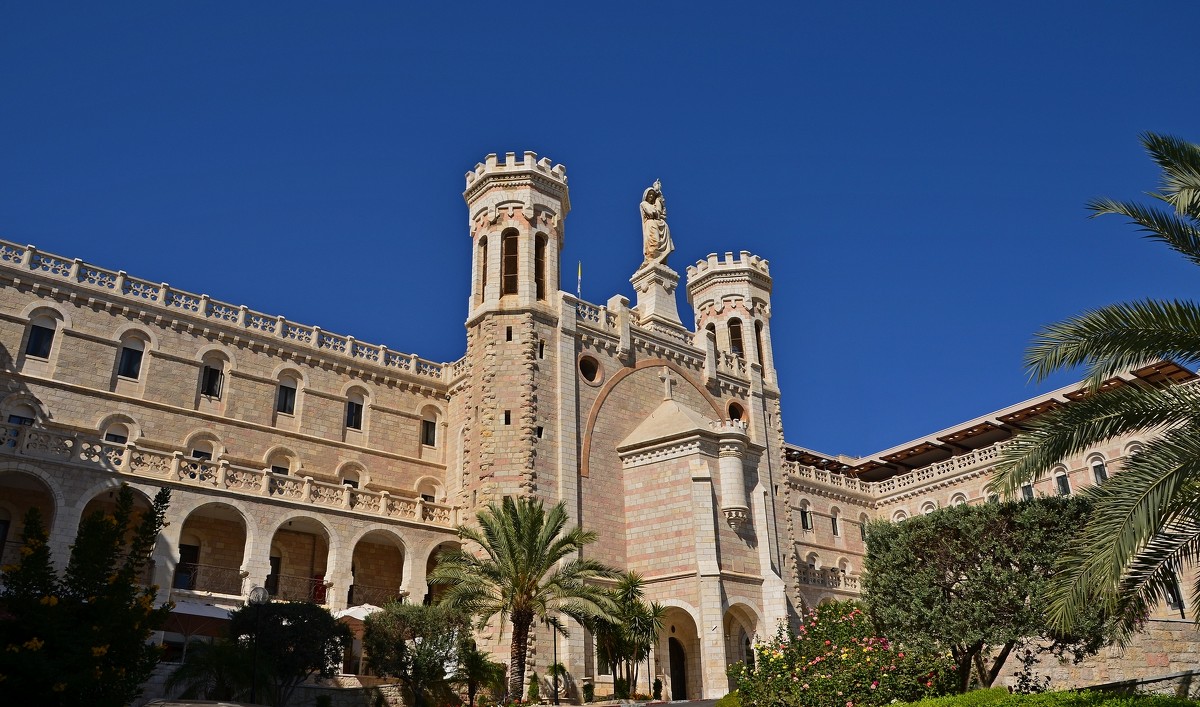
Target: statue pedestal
[[655, 284]]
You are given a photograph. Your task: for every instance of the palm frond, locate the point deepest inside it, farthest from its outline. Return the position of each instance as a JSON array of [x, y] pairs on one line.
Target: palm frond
[[1178, 233], [1180, 163], [1084, 423], [1117, 338], [1128, 511]]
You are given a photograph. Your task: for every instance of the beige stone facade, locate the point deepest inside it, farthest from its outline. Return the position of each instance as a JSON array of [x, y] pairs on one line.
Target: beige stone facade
[[332, 470]]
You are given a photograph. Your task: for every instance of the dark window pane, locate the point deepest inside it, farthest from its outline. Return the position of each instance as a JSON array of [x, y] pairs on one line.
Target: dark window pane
[[508, 264], [210, 384], [280, 470], [285, 400], [1064, 485], [130, 365], [428, 432], [115, 438], [1027, 492], [201, 454], [20, 420], [354, 415], [1100, 472], [40, 340]]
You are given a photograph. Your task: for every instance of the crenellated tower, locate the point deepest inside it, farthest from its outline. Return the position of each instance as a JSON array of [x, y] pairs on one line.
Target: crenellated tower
[[516, 210], [732, 301]]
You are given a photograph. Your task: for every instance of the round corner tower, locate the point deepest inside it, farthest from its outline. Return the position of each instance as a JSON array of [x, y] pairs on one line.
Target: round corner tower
[[732, 301]]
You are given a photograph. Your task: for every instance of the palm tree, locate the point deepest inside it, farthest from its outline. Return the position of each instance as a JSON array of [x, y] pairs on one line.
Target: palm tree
[[626, 639], [214, 671], [476, 669], [523, 573], [1146, 522]]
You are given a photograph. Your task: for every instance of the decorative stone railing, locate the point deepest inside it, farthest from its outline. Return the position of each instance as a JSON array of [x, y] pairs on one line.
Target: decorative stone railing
[[164, 296], [366, 594], [174, 467], [880, 489], [827, 577]]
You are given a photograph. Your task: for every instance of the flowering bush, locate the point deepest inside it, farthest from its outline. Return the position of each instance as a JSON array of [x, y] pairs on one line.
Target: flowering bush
[[834, 659]]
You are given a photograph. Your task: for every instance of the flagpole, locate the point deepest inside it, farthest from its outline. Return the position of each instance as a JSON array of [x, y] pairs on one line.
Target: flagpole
[[579, 282]]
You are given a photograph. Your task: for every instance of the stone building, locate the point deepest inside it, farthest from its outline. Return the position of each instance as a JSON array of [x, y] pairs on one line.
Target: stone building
[[334, 471]]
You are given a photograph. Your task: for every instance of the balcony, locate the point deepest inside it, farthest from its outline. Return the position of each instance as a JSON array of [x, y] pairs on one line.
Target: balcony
[[194, 577], [290, 587]]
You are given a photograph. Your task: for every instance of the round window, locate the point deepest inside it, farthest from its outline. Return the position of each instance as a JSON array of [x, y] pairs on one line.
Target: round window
[[589, 368]]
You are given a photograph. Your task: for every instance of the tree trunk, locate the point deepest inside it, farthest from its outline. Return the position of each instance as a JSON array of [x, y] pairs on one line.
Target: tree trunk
[[999, 663], [521, 621]]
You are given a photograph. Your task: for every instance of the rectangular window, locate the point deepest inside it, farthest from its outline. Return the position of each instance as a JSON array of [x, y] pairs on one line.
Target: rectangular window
[[350, 482], [806, 521], [833, 523], [115, 438], [1099, 472], [428, 432], [281, 470], [211, 380], [508, 417], [130, 365], [20, 420], [40, 340], [1063, 484], [428, 498], [862, 531], [354, 412], [1174, 596], [201, 454], [1027, 492], [508, 264], [285, 400]]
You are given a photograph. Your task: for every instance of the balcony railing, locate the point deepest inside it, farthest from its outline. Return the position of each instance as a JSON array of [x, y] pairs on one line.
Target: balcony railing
[[831, 577], [93, 453], [365, 594], [208, 578], [290, 587]]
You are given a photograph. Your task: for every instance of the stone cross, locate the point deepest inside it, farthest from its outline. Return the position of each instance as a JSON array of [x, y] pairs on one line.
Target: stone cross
[[668, 383]]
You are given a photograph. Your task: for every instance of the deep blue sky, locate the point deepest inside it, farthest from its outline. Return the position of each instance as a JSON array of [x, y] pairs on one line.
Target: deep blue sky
[[915, 172]]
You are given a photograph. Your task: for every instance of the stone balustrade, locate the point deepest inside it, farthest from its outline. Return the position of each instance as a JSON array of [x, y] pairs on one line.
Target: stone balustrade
[[901, 482], [162, 295], [831, 577], [178, 470]]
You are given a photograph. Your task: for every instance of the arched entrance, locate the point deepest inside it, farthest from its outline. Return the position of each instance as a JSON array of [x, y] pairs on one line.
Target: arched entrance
[[299, 556], [212, 543], [105, 503], [678, 660], [436, 590], [377, 569], [18, 493], [740, 625], [679, 643]]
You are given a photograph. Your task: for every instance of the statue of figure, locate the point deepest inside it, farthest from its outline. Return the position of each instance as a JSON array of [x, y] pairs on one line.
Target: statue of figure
[[656, 235]]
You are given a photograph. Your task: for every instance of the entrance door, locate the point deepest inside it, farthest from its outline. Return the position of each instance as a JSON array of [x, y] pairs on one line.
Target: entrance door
[[678, 669]]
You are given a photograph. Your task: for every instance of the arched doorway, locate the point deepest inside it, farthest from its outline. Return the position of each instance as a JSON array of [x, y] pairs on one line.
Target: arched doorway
[[740, 625], [678, 660], [105, 503], [18, 493], [436, 590], [377, 569], [679, 643], [212, 545]]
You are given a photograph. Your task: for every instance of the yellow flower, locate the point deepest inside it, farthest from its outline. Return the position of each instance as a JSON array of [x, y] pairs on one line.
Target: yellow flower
[[59, 686], [100, 650], [34, 644], [49, 600]]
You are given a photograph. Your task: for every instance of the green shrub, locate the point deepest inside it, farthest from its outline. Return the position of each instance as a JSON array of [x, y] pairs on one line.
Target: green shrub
[[835, 659], [657, 689], [999, 697], [534, 693], [589, 692], [730, 700], [620, 688]]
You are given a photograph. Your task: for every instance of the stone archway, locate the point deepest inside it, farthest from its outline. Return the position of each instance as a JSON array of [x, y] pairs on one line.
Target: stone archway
[[212, 547], [740, 625], [377, 569], [679, 644], [19, 492]]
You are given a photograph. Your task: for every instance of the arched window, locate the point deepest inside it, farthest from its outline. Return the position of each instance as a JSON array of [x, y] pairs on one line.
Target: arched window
[[285, 393], [834, 522], [1062, 484], [508, 262], [202, 448], [958, 499], [712, 329], [1099, 470], [429, 426], [758, 349], [129, 358], [281, 462], [356, 403], [117, 433], [212, 376], [40, 338], [1027, 492], [350, 477], [736, 347], [863, 519], [483, 266], [928, 507], [737, 412], [806, 516], [539, 266], [899, 517]]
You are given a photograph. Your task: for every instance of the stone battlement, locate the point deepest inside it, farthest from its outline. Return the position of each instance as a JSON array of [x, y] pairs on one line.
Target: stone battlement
[[511, 165], [729, 262]]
